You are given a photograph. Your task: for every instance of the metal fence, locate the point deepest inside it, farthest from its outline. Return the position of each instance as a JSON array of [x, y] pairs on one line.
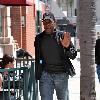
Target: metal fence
[[19, 82]]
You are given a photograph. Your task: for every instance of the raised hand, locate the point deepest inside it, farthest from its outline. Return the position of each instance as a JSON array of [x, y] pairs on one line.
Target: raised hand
[[66, 40]]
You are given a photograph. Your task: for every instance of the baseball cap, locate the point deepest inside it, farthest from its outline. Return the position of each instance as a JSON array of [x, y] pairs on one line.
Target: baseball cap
[[48, 15]]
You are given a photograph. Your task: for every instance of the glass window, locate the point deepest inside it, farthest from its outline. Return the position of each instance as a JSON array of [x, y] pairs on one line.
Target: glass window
[[0, 25], [39, 21]]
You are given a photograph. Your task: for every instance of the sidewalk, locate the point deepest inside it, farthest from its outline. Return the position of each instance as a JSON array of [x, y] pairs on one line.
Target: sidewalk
[[74, 83]]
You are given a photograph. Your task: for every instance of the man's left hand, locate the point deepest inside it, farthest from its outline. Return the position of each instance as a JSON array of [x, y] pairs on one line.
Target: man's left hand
[[66, 40]]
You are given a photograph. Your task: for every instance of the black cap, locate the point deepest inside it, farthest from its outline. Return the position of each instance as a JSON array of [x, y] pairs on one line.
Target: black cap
[[49, 16]]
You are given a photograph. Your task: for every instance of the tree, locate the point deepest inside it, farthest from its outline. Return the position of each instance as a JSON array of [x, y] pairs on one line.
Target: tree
[[86, 20]]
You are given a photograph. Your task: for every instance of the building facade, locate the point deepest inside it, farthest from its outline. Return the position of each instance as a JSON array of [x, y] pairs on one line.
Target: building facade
[[6, 40], [19, 25], [23, 27]]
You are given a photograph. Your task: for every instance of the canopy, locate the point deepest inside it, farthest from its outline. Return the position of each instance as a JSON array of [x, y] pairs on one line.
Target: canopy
[[55, 9], [16, 2]]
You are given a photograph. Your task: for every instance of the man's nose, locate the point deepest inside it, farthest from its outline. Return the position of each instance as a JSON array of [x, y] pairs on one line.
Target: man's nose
[[47, 24]]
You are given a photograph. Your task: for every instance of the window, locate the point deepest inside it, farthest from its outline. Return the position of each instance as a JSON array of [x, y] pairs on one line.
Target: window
[[39, 21], [75, 12], [0, 25], [23, 21], [68, 28]]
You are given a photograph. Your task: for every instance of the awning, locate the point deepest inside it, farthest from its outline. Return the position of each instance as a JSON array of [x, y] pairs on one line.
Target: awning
[[16, 2], [56, 10]]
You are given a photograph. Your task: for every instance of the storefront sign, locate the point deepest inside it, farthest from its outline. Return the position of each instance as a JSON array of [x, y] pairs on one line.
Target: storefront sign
[[16, 2]]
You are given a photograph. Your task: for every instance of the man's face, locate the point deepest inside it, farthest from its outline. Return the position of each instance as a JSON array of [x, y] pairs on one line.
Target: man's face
[[48, 26]]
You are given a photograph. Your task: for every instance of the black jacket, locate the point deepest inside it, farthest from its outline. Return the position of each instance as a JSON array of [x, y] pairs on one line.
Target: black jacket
[[68, 53], [97, 51]]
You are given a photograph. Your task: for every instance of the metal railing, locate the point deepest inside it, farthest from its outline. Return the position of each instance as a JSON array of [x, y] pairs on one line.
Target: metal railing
[[19, 82]]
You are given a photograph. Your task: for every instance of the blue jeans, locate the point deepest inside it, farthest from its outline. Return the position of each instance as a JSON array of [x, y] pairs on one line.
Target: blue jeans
[[98, 72], [49, 82]]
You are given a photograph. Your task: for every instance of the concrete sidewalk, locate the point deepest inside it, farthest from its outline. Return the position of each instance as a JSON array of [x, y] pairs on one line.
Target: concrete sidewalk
[[74, 82]]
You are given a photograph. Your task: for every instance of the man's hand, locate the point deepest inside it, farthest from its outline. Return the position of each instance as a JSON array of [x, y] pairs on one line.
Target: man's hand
[[66, 40]]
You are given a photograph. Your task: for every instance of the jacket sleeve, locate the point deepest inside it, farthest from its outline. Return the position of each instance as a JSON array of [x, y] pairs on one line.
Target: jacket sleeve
[[97, 51], [70, 52], [36, 45], [38, 66]]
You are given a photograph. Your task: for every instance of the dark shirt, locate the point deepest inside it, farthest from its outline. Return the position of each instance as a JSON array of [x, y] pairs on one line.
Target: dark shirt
[[51, 52]]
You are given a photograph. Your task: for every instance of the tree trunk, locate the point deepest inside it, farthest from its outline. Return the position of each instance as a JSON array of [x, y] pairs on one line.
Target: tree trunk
[[86, 20]]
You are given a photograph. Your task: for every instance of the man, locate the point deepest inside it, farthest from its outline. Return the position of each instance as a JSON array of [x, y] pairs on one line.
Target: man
[[52, 63], [97, 57]]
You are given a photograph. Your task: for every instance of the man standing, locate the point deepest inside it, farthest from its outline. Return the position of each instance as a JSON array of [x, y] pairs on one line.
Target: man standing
[[53, 51]]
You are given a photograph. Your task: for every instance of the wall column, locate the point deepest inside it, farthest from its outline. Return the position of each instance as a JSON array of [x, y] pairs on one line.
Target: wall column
[[6, 40]]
